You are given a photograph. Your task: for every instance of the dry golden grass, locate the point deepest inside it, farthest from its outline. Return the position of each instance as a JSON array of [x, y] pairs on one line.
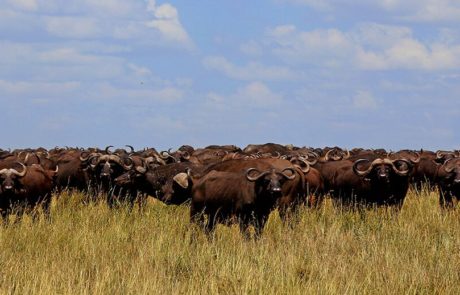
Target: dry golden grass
[[91, 249]]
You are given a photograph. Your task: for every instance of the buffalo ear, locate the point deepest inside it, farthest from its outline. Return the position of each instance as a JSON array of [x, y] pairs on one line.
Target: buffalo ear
[[181, 179]]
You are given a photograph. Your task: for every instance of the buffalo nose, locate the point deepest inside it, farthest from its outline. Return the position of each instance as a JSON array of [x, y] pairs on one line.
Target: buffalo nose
[[276, 189], [457, 180], [8, 187]]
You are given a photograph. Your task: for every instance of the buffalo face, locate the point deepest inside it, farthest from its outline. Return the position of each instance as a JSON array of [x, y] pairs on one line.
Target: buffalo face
[[382, 170], [452, 168], [270, 181], [10, 179]]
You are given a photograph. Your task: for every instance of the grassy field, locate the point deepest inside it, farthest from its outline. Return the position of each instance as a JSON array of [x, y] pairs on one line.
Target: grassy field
[[91, 249]]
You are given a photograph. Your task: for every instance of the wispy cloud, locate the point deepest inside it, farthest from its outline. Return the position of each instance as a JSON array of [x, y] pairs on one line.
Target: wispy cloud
[[408, 10], [369, 47], [250, 71]]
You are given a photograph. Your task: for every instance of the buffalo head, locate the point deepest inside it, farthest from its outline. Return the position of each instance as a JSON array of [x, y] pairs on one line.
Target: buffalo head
[[9, 179], [382, 169], [452, 168], [271, 180]]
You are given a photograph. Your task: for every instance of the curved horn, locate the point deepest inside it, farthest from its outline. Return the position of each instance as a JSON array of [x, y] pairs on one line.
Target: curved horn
[[83, 158], [131, 148], [398, 171], [311, 163], [107, 149], [26, 158], [439, 154], [91, 159], [326, 157], [130, 165], [442, 154], [160, 160], [164, 155], [448, 170], [287, 176], [20, 174], [307, 169], [314, 154], [113, 157], [186, 155], [416, 159], [361, 172], [347, 155], [254, 178]]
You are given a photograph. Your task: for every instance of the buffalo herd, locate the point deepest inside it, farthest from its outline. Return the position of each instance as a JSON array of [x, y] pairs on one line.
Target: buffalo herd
[[226, 184]]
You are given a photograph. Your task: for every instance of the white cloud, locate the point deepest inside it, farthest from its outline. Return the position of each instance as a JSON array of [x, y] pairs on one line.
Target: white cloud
[[139, 21], [31, 87], [250, 71], [330, 47], [423, 10], [255, 95], [369, 46], [24, 4], [251, 48], [114, 8], [364, 100], [317, 4], [409, 10], [139, 71], [73, 27], [167, 22], [378, 35]]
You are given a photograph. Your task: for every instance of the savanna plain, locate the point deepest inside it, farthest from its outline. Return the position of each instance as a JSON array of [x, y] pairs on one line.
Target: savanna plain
[[88, 248]]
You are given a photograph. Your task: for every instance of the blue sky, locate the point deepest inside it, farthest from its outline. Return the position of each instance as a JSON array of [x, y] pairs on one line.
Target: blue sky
[[375, 73]]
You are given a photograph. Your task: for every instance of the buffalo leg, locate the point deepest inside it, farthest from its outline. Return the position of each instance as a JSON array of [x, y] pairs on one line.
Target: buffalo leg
[[260, 224], [244, 227], [445, 199]]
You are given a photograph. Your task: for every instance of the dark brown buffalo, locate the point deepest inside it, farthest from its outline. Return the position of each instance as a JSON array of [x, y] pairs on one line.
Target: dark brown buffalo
[[448, 177], [30, 157], [334, 154], [103, 168], [72, 172], [268, 148], [168, 183], [314, 183], [25, 186], [247, 197], [365, 183], [426, 165], [293, 190], [212, 154]]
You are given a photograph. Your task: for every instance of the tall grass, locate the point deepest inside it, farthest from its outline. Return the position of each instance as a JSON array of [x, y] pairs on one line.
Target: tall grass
[[91, 249]]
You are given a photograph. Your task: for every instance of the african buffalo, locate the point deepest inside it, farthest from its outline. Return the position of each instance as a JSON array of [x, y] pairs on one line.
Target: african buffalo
[[384, 182], [249, 197]]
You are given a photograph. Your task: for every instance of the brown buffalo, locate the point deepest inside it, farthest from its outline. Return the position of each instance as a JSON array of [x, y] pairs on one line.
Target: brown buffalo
[[247, 197], [25, 186], [448, 177]]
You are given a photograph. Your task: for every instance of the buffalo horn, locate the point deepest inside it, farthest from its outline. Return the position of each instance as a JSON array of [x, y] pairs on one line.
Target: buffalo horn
[[361, 172], [20, 174], [254, 178], [289, 169]]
